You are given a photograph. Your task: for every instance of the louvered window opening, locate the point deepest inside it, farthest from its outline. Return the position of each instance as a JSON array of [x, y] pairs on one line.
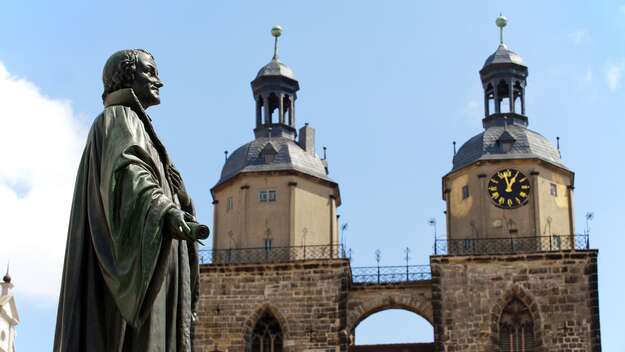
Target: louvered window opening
[[267, 335], [516, 328]]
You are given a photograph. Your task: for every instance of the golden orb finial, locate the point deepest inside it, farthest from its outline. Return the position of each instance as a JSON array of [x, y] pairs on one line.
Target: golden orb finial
[[276, 31], [501, 22]]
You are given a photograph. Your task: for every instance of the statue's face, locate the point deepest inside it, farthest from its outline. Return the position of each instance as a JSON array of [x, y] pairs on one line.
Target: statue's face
[[146, 84]]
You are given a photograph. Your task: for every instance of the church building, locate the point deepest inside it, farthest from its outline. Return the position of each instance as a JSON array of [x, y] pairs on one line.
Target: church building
[[511, 275]]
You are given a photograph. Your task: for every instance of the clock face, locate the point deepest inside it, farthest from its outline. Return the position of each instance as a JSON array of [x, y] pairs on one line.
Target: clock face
[[509, 188]]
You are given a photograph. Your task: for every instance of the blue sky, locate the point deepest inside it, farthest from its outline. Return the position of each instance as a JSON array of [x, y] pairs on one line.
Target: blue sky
[[387, 85]]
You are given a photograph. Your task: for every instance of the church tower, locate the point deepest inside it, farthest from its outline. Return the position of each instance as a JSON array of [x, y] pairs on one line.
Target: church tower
[[508, 181], [274, 192], [510, 277]]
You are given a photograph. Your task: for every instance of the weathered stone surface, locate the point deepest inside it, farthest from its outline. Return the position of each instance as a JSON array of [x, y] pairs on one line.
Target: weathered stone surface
[[318, 307], [308, 299], [469, 294], [364, 300]]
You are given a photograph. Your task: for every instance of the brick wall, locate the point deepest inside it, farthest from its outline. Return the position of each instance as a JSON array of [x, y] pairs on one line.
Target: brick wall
[[560, 289], [307, 298]]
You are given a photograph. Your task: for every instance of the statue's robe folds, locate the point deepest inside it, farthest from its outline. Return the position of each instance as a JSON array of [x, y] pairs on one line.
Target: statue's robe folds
[[127, 284]]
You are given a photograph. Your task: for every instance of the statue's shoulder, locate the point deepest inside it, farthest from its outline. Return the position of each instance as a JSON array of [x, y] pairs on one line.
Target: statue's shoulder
[[118, 117]]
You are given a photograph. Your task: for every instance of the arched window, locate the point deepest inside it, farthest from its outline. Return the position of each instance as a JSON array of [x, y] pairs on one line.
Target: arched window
[[267, 335], [516, 328]]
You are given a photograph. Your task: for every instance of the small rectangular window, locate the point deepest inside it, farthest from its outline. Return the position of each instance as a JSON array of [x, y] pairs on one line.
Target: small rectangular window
[[267, 196], [553, 190], [465, 192], [263, 196], [268, 243], [230, 203]]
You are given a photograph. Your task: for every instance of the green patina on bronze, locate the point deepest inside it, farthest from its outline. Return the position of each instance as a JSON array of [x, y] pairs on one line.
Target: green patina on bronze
[[130, 280]]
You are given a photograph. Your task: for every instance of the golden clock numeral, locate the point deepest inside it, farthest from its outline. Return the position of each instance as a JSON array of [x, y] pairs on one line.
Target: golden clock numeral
[[492, 188], [494, 181], [525, 187], [523, 179], [518, 201], [501, 201], [495, 195], [522, 194], [509, 202]]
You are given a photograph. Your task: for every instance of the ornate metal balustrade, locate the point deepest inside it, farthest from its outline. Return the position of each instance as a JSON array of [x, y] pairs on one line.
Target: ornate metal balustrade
[[270, 254], [510, 245], [390, 274]]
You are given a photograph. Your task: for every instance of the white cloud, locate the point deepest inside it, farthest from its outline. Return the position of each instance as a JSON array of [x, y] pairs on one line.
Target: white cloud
[[40, 146], [579, 36], [614, 74]]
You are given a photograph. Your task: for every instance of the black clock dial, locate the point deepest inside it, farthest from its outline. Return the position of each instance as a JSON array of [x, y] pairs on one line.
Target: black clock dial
[[509, 188]]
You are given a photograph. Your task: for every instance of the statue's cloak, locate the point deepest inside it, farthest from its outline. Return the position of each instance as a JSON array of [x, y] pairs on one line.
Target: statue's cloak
[[127, 284]]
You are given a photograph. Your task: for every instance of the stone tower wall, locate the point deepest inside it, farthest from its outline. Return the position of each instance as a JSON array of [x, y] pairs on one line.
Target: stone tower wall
[[308, 298], [559, 288]]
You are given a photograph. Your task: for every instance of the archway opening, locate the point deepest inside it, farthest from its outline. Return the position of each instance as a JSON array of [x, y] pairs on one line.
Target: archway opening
[[393, 330]]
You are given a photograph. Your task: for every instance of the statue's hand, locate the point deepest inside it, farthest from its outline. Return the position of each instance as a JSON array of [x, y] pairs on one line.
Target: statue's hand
[[176, 224], [178, 186], [183, 226]]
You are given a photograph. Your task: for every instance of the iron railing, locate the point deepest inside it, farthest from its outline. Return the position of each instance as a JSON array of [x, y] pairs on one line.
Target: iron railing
[[270, 254], [390, 274], [510, 245]]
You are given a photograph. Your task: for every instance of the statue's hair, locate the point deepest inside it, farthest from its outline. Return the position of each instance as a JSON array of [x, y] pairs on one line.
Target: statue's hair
[[119, 70]]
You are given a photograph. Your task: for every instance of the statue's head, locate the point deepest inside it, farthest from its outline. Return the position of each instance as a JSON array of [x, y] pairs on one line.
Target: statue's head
[[136, 69]]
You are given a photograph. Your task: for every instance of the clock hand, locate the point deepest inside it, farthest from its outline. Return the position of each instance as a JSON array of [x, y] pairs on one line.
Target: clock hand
[[513, 180], [508, 185]]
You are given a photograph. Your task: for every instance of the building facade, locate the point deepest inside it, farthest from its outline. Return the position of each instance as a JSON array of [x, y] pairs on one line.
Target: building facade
[[9, 318], [512, 274]]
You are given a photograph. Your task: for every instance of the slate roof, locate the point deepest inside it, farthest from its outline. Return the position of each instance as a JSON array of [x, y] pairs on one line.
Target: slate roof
[[276, 68], [503, 55], [527, 144], [289, 156]]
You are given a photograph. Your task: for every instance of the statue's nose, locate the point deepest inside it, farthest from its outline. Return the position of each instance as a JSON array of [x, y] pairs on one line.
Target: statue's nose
[[159, 83]]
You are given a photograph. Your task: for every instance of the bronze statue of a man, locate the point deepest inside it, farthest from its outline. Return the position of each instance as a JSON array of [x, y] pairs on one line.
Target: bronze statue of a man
[[130, 281]]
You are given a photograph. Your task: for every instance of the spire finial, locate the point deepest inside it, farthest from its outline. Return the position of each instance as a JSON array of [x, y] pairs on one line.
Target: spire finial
[[7, 277], [501, 22], [276, 31]]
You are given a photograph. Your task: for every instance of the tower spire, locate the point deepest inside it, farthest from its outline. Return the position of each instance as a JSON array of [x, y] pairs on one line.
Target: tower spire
[[501, 22], [7, 277], [504, 76], [276, 32], [274, 90]]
